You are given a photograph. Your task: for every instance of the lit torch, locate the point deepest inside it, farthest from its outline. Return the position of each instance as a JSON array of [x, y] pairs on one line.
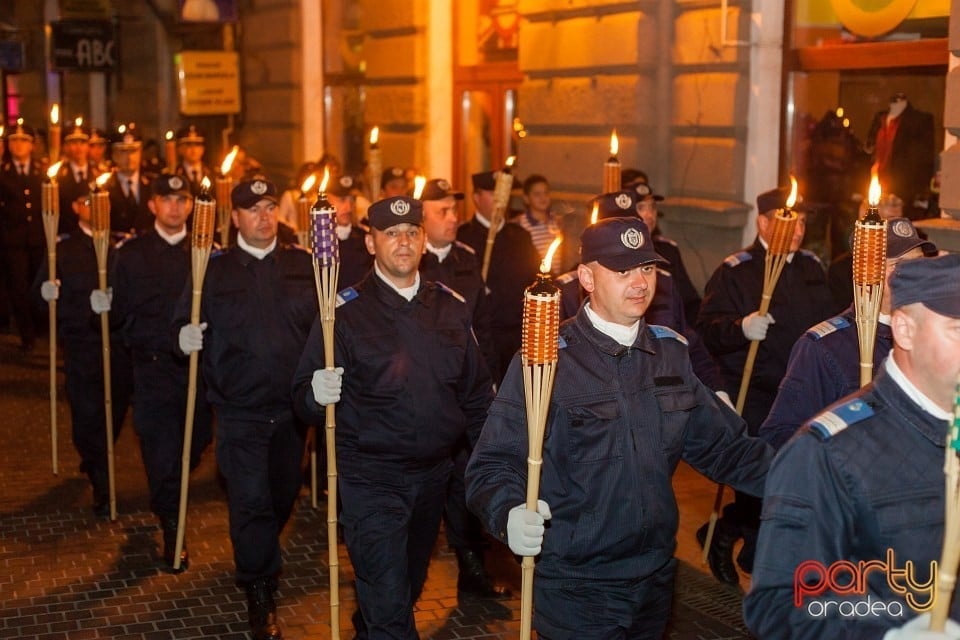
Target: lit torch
[[869, 275], [100, 229], [303, 211], [201, 243], [375, 164], [170, 151], [611, 168], [50, 208], [54, 132], [538, 357], [419, 182], [326, 270], [224, 187], [501, 198], [950, 554]]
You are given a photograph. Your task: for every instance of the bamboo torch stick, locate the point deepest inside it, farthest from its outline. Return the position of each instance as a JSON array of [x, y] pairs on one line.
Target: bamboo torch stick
[[50, 207], [501, 198], [950, 555], [201, 243], [869, 270], [611, 168], [100, 228], [375, 164], [538, 355], [224, 186], [784, 223], [326, 270]]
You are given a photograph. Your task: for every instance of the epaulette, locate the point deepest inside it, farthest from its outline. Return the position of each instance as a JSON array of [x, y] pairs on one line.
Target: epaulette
[[464, 246], [346, 295], [456, 295], [738, 258], [830, 423], [827, 327], [561, 342], [810, 254], [672, 243], [659, 332], [567, 278], [63, 236], [125, 240]]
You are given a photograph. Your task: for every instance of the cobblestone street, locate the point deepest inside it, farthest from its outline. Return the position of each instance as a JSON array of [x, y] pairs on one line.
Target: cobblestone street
[[69, 575]]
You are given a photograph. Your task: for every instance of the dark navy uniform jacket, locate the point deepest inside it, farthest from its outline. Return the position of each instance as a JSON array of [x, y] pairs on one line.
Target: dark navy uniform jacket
[[862, 478], [127, 213], [824, 367], [355, 260], [413, 383], [621, 419], [800, 300], [21, 221], [259, 313], [70, 189]]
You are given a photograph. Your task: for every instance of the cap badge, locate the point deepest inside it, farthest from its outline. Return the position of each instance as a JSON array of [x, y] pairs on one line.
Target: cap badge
[[902, 229], [400, 208], [346, 182], [396, 172], [643, 190], [632, 239], [623, 201], [444, 185], [259, 187], [175, 182]]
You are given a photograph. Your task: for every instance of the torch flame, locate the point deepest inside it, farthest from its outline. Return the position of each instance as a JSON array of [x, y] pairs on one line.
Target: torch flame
[[792, 198], [228, 161], [510, 161], [121, 129], [168, 135], [614, 144], [418, 184], [326, 180], [78, 121], [19, 122], [548, 256], [873, 194], [374, 136], [55, 113], [54, 169], [308, 183], [596, 213], [205, 183], [103, 179]]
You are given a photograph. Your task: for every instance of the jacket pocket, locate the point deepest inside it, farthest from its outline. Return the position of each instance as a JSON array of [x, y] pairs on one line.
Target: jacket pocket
[[595, 431]]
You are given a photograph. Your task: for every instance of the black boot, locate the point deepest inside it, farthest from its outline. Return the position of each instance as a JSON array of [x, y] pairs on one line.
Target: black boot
[[473, 579], [101, 492], [720, 556], [262, 610], [169, 526]]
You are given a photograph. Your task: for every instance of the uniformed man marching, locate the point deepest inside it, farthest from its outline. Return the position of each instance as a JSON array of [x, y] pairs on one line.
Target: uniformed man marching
[[191, 145], [409, 383], [130, 187], [355, 260], [77, 172]]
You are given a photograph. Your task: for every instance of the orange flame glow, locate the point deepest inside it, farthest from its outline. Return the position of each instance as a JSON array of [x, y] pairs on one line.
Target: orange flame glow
[[228, 161], [548, 256], [792, 198], [55, 114], [308, 183], [54, 170], [205, 183], [510, 161], [78, 121], [326, 180], [873, 194], [614, 144], [103, 179], [168, 135], [374, 136], [418, 184], [596, 213]]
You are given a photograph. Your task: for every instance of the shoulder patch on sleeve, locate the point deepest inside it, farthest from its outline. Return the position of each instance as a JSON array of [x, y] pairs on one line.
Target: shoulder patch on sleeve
[[465, 246], [827, 327], [561, 342], [811, 255], [346, 295], [738, 258], [453, 293], [122, 241], [830, 423], [659, 332], [567, 278]]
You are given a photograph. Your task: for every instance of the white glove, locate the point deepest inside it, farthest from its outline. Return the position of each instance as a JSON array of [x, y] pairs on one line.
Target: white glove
[[50, 290], [191, 337], [100, 300], [755, 326], [725, 398], [326, 385], [525, 528], [919, 629]]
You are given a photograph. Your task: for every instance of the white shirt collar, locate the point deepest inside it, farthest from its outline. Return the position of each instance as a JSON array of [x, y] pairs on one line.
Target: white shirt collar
[[440, 253], [343, 231], [766, 247], [406, 292], [171, 238], [486, 222], [928, 405], [624, 335], [259, 254]]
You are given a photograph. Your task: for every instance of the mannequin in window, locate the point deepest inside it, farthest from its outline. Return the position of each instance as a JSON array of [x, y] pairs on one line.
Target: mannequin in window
[[901, 141]]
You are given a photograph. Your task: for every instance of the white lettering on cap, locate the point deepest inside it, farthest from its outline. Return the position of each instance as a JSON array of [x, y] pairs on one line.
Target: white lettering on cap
[[632, 239], [399, 208], [259, 187]]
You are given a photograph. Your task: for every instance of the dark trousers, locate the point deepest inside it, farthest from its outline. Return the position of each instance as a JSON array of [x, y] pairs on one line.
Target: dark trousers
[[261, 464], [390, 524], [464, 531], [604, 610], [83, 369], [159, 416], [21, 265]]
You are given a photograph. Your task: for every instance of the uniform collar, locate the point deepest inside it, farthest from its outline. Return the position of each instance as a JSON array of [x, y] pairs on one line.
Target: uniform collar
[[763, 244], [930, 427], [388, 294], [626, 336], [899, 377], [605, 343], [173, 239], [440, 253], [255, 252]]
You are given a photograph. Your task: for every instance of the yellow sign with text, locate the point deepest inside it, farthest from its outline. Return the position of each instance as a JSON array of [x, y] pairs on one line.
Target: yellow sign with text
[[208, 82]]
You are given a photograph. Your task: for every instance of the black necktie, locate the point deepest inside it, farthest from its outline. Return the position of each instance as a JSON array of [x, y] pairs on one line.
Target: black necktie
[[131, 194], [196, 176], [81, 177]]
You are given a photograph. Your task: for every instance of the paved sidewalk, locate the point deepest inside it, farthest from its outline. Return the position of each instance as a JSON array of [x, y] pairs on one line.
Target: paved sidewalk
[[65, 574]]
